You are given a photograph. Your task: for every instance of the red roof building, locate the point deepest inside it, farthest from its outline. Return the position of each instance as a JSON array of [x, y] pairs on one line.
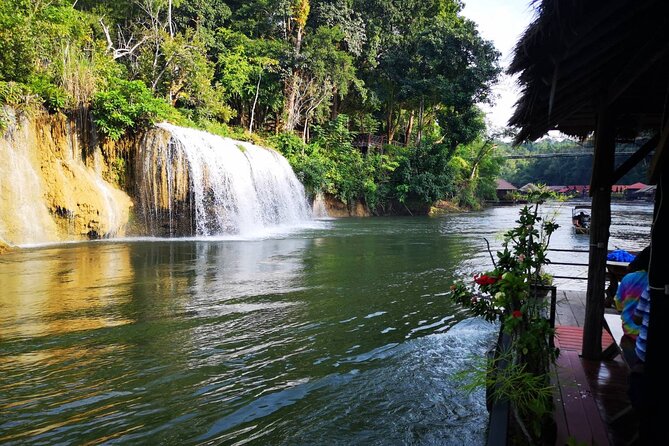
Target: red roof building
[[636, 186]]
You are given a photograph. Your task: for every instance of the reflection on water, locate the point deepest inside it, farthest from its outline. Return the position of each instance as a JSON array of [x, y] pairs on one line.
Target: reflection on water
[[63, 291], [337, 335]]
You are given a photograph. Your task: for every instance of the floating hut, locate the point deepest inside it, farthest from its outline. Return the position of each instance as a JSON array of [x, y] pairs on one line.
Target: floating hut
[[504, 189], [602, 67]]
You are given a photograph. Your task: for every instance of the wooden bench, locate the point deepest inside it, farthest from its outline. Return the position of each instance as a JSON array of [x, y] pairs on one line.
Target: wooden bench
[[614, 326]]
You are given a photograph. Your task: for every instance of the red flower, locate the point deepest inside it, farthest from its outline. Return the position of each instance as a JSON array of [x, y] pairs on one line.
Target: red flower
[[484, 279], [517, 314]]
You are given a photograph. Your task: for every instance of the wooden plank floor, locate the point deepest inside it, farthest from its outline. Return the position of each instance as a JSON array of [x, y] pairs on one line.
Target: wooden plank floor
[[576, 405], [590, 394], [570, 308]]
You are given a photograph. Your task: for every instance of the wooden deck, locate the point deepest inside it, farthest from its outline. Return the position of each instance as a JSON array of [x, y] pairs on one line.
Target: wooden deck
[[590, 395]]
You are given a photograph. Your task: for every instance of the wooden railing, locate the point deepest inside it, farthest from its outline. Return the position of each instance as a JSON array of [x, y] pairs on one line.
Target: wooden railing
[[367, 140], [585, 251]]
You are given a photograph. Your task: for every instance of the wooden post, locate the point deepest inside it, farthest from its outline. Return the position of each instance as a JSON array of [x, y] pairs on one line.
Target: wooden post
[[652, 428], [600, 190]]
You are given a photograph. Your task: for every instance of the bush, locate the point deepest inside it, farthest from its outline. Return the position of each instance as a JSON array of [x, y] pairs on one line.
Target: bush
[[308, 161], [127, 105], [423, 175], [55, 98], [14, 93]]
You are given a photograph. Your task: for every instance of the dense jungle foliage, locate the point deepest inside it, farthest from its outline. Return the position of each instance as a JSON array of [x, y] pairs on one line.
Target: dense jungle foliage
[[306, 77]]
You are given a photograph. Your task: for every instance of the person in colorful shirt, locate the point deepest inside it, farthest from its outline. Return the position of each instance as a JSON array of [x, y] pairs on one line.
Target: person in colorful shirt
[[641, 313], [629, 291]]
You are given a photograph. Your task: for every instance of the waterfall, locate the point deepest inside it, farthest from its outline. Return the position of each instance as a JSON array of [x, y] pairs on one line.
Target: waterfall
[[48, 191], [319, 208], [194, 183], [24, 216]]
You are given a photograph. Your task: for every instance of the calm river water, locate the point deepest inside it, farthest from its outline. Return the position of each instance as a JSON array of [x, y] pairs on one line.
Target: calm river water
[[336, 334]]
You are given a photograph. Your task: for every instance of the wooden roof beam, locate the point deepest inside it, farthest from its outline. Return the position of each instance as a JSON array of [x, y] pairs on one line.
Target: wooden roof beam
[[635, 158], [593, 25], [583, 60], [572, 90], [576, 95], [659, 162], [572, 79]]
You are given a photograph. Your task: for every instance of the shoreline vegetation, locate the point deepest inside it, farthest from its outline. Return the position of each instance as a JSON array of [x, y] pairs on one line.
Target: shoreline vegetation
[[309, 78]]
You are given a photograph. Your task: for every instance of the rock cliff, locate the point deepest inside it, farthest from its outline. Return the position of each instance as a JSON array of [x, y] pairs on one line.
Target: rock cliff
[[57, 182]]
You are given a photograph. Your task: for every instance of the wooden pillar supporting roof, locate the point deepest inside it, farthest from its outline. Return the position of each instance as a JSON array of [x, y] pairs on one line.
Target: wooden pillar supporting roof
[[652, 427], [600, 190]]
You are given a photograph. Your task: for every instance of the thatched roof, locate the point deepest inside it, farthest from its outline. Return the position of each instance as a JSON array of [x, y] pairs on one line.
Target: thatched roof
[[502, 184], [580, 55], [529, 187]]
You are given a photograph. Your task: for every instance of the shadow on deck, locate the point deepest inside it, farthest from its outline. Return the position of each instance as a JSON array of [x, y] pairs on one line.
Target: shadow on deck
[[590, 395]]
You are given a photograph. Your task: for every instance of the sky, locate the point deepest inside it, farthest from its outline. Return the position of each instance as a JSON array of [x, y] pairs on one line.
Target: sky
[[502, 22]]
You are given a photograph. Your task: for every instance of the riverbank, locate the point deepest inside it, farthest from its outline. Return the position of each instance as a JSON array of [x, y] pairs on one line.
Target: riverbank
[[443, 207]]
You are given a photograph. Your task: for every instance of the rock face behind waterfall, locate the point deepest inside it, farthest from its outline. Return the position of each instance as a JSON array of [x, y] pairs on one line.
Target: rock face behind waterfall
[[52, 182], [194, 183]]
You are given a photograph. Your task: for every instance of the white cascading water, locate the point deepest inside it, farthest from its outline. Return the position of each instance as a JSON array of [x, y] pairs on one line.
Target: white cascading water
[[230, 187], [24, 217], [319, 208], [48, 192]]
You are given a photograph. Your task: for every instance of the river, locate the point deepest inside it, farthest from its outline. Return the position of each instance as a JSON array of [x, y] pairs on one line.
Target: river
[[338, 333]]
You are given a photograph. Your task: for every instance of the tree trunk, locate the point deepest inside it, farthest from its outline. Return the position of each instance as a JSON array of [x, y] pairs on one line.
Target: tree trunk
[[483, 151], [420, 122], [409, 129], [291, 86], [255, 101], [289, 109], [390, 128], [390, 125], [335, 104], [169, 17]]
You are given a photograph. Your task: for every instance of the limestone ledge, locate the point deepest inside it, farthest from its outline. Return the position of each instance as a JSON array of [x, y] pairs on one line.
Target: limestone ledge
[[62, 182], [337, 208]]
